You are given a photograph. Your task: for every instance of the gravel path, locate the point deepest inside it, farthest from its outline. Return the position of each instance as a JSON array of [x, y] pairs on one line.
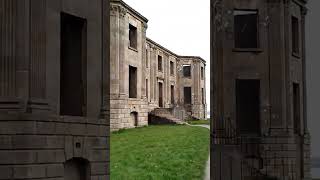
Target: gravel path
[[207, 170]]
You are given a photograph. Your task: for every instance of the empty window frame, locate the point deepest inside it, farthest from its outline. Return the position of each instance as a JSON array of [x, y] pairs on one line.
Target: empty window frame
[[295, 35], [202, 96], [248, 106], [246, 29], [160, 63], [187, 70], [187, 95], [202, 73], [133, 36], [147, 88], [132, 82], [171, 68], [73, 81], [172, 94]]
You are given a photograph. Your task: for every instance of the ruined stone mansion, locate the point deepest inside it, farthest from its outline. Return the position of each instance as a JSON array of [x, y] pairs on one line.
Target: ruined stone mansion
[[259, 123], [146, 76]]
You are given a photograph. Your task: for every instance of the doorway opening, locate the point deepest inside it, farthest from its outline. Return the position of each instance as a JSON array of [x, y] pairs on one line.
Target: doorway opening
[[73, 65], [77, 169], [134, 119], [160, 95], [248, 106]]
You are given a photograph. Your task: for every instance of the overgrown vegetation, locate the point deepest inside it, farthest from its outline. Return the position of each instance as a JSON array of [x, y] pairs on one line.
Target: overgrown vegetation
[[159, 152]]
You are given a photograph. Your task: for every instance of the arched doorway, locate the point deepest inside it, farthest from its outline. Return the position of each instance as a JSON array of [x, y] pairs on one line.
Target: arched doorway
[[134, 119], [77, 169]]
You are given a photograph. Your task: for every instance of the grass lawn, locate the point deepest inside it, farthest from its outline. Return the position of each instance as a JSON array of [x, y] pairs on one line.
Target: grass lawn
[[159, 152], [196, 122]]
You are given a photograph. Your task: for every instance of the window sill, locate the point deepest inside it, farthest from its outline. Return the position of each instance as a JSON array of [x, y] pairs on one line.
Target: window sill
[[133, 49], [296, 55], [253, 50]]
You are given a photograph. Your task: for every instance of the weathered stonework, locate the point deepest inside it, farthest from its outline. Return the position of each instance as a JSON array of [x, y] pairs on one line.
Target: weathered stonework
[[144, 57], [36, 141], [280, 146]]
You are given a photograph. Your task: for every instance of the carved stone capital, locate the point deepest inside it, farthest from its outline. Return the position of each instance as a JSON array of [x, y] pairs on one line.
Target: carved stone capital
[[115, 9]]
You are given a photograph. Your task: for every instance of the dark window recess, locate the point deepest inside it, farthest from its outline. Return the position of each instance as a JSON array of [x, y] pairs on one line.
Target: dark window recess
[[172, 94], [132, 82], [73, 65], [187, 70], [202, 73], [248, 106], [296, 108], [202, 95], [159, 63], [246, 28], [160, 95], [133, 36], [147, 59], [171, 68], [295, 35], [187, 95]]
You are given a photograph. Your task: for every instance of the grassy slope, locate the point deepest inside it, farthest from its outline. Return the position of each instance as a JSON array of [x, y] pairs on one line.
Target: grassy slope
[[195, 122], [159, 152]]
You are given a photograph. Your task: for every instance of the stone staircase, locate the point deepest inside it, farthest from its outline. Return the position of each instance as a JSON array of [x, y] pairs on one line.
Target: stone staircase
[[163, 116]]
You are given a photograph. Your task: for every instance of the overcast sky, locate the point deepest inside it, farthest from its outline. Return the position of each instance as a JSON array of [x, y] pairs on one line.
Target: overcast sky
[[182, 26]]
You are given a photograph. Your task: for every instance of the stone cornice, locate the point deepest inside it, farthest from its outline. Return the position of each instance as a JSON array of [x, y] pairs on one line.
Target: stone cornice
[[128, 9]]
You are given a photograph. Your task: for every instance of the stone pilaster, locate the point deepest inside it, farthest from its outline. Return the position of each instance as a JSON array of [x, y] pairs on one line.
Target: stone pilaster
[[123, 46]]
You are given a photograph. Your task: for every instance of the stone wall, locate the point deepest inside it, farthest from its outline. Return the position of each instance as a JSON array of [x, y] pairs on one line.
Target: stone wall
[[145, 59]]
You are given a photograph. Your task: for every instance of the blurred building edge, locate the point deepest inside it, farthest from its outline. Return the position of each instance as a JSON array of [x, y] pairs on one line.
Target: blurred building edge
[[147, 79], [259, 118], [54, 89]]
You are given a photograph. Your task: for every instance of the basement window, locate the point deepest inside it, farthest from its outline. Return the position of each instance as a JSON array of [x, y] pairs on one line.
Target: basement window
[[187, 71], [133, 36], [246, 29], [295, 35]]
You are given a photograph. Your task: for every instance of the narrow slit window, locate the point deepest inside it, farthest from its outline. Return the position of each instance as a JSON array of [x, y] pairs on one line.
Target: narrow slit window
[[132, 82], [246, 29], [202, 73], [171, 68], [160, 63]]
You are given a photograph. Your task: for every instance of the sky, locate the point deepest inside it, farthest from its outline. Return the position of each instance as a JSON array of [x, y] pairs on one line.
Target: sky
[[182, 26]]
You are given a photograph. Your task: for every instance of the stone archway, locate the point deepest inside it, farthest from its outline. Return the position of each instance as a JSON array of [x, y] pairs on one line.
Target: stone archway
[[134, 118], [77, 169]]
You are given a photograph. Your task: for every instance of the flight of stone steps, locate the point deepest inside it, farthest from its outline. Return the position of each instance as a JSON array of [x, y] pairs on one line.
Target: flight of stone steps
[[163, 116]]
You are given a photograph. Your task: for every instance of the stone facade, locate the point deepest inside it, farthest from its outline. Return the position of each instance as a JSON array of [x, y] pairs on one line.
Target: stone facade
[[145, 75], [264, 75], [40, 135]]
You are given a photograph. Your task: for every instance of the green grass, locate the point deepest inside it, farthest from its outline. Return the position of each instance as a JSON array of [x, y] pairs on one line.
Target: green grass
[[159, 153], [196, 122]]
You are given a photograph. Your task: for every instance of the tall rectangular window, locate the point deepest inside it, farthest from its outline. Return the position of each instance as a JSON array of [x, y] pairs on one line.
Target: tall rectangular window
[[172, 94], [171, 68], [296, 108], [246, 28], [295, 35], [73, 75], [202, 73], [160, 63], [147, 59], [187, 95], [202, 95], [133, 36], [132, 82], [248, 106], [187, 70]]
